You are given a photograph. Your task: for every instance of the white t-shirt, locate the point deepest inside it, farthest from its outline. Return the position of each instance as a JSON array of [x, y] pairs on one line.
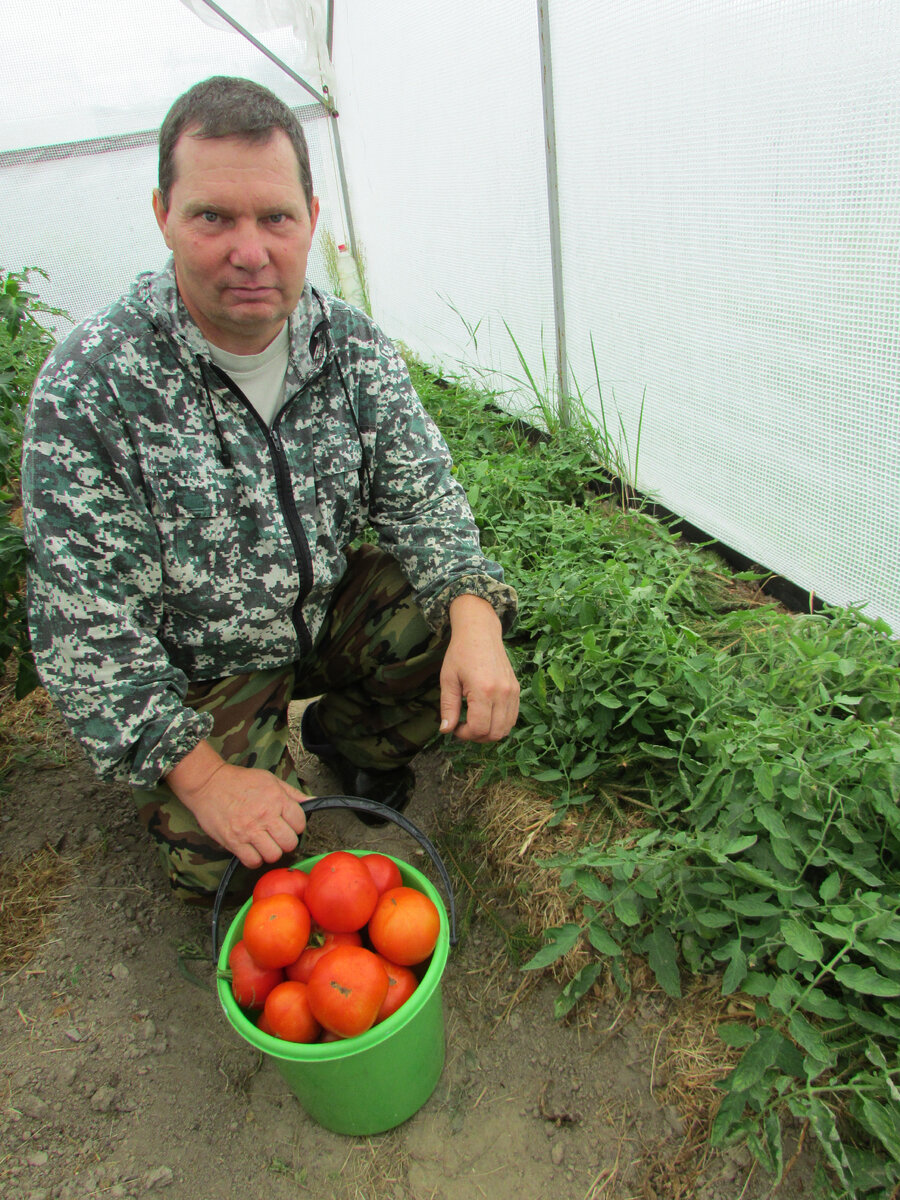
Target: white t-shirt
[[259, 376]]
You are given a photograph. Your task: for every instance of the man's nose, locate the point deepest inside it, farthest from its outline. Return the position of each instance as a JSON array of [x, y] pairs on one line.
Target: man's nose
[[249, 250]]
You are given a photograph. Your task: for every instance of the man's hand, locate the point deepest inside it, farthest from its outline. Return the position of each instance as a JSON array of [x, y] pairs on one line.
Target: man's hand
[[477, 669], [244, 809]]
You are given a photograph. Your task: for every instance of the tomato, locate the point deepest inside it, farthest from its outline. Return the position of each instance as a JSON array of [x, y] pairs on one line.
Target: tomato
[[302, 968], [276, 929], [341, 893], [401, 985], [383, 870], [346, 989], [263, 1025], [288, 1013], [279, 880], [404, 927], [251, 983]]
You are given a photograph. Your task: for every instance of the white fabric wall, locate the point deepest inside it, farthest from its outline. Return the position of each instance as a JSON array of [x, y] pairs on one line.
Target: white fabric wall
[[729, 182], [740, 268], [442, 133]]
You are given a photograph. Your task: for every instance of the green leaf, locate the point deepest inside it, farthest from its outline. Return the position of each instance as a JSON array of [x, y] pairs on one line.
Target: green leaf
[[626, 908], [735, 972], [830, 887], [662, 954], [560, 941], [802, 940], [602, 940], [866, 980], [750, 905], [806, 1034], [736, 1034], [756, 1060], [576, 988]]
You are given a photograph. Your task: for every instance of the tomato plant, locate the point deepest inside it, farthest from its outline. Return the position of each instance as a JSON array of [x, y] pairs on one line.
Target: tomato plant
[[384, 871], [280, 880], [288, 1013], [346, 989], [402, 982], [404, 927], [251, 983], [276, 929], [341, 893]]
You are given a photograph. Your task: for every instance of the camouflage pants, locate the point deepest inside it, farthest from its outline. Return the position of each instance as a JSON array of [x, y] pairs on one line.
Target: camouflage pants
[[376, 667]]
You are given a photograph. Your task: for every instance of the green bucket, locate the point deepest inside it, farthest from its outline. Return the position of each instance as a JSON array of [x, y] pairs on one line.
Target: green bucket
[[377, 1080]]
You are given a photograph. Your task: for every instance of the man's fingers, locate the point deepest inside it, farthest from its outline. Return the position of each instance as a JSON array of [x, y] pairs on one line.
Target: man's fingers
[[451, 704]]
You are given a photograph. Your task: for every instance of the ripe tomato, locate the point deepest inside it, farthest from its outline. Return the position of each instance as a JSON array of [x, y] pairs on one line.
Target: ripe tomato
[[251, 983], [404, 927], [341, 893], [288, 1014], [281, 879], [276, 929], [401, 985], [346, 989], [302, 968], [383, 870], [263, 1025]]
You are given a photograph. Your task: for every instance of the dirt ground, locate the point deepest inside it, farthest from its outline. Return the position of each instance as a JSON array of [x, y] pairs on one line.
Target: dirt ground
[[121, 1076]]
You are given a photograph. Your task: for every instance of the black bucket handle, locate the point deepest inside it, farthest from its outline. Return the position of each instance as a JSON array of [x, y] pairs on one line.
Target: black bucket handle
[[357, 804]]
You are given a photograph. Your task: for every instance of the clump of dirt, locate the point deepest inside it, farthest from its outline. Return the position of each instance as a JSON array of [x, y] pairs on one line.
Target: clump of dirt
[[122, 1077]]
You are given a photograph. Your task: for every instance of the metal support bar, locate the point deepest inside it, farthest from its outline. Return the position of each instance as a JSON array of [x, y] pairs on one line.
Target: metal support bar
[[325, 101], [562, 369]]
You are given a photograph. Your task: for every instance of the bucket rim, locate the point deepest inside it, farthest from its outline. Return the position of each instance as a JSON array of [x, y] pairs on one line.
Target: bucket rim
[[329, 1051]]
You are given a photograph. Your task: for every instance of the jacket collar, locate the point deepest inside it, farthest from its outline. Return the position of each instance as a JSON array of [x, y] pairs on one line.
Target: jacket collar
[[307, 324]]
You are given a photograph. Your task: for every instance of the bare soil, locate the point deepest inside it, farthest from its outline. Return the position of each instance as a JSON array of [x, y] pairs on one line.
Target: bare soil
[[121, 1076]]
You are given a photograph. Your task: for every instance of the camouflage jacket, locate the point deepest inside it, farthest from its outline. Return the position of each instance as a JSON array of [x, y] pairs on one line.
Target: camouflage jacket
[[173, 537]]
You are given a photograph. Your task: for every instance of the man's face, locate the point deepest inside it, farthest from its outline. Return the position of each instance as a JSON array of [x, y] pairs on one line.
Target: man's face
[[240, 232]]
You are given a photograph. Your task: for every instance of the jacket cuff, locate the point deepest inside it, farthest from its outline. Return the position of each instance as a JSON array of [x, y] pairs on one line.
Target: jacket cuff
[[501, 597], [185, 732]]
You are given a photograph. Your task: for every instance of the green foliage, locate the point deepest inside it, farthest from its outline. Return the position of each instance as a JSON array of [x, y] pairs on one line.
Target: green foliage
[[761, 751], [24, 344]]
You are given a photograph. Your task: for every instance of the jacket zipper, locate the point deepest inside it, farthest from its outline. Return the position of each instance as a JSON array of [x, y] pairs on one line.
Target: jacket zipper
[[288, 510]]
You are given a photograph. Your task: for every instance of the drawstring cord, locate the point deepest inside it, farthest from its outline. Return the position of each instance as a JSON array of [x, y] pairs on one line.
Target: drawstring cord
[[224, 453]]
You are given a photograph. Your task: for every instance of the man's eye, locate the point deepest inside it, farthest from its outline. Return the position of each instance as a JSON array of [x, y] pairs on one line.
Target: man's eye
[[277, 218], [210, 217]]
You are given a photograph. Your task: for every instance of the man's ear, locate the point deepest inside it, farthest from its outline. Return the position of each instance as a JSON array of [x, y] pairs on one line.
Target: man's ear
[[313, 214], [162, 215]]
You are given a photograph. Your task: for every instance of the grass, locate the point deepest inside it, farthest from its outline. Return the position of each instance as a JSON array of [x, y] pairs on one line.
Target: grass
[[716, 783]]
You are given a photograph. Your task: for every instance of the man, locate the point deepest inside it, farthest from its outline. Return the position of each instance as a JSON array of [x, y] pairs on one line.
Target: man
[[198, 459]]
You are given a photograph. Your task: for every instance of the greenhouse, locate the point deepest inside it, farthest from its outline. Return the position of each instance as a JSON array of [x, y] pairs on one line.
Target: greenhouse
[[640, 262]]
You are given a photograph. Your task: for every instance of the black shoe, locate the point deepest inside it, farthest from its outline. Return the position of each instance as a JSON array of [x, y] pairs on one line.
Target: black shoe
[[393, 788]]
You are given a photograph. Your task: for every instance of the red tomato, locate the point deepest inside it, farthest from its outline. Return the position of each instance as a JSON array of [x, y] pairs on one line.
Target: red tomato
[[263, 1025], [383, 870], [251, 983], [281, 879], [288, 1013], [404, 927], [346, 989], [401, 985], [302, 968], [276, 929], [341, 893]]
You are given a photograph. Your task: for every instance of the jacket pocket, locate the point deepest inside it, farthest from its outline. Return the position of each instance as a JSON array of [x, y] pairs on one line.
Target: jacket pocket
[[338, 463]]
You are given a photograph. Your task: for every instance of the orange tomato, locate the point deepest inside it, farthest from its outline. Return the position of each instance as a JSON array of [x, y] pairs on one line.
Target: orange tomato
[[402, 982], [288, 1013], [404, 927], [341, 893], [281, 879], [276, 929], [346, 989]]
